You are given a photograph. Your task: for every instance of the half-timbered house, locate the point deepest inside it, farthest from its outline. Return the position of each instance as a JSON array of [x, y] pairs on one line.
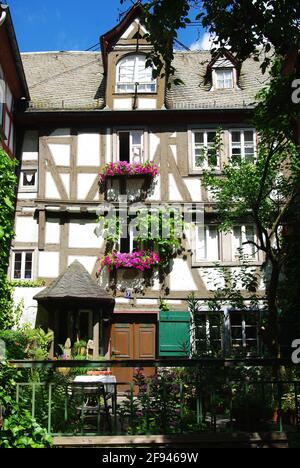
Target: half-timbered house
[[88, 109]]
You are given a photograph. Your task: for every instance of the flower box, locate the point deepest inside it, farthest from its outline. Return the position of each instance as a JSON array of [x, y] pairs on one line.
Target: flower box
[[123, 168], [138, 260]]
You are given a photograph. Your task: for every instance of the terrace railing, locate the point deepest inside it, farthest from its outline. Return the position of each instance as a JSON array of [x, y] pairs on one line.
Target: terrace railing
[[184, 396]]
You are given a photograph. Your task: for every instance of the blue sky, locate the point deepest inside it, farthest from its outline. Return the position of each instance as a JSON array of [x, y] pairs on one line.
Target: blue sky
[[43, 25]]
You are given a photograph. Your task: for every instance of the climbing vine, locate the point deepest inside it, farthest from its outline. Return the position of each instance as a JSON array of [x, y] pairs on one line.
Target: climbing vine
[[8, 182]]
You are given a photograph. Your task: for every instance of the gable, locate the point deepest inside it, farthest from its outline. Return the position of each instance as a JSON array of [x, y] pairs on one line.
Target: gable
[[135, 31]]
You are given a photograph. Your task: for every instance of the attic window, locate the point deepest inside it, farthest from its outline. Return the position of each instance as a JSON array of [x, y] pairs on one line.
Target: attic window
[[224, 78], [132, 75]]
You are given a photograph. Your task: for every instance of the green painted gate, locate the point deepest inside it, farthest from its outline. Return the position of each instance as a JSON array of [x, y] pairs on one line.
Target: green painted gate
[[174, 334]]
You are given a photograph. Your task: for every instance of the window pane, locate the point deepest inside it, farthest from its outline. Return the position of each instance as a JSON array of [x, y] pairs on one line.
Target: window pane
[[137, 138], [199, 137], [211, 137], [236, 319], [28, 265], [236, 137], [18, 265], [212, 239], [249, 136]]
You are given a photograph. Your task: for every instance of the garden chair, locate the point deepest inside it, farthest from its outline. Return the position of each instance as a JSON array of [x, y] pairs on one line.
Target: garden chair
[[92, 403]]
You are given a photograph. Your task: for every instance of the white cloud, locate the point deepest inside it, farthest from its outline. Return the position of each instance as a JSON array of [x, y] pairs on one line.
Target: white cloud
[[204, 43]]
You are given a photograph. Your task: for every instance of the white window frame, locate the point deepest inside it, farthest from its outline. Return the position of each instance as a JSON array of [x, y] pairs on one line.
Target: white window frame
[[243, 327], [130, 87], [223, 70], [23, 253], [143, 146], [206, 146], [207, 229], [235, 253], [28, 188], [243, 145], [208, 316]]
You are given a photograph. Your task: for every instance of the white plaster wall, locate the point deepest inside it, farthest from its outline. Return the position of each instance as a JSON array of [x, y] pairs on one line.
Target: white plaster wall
[[30, 305], [84, 184], [123, 104], [87, 261], [52, 231], [30, 150], [237, 271], [174, 194], [26, 229], [194, 187], [51, 189], [145, 302], [212, 278], [174, 151], [145, 103], [156, 284], [181, 278], [154, 141], [88, 149], [156, 193], [27, 196], [61, 154], [108, 149], [48, 264], [82, 235], [66, 181]]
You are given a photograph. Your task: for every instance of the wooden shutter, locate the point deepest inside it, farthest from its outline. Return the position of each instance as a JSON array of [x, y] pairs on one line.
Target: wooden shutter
[[174, 334]]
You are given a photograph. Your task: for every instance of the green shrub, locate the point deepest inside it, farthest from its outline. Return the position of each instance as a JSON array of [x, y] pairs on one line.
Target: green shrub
[[19, 429], [15, 342]]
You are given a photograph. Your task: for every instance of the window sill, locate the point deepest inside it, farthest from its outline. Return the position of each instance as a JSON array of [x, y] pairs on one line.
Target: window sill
[[206, 264], [27, 190], [194, 172], [133, 94]]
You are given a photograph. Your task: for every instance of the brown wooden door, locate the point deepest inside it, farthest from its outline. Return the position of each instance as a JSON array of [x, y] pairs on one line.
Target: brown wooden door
[[133, 339]]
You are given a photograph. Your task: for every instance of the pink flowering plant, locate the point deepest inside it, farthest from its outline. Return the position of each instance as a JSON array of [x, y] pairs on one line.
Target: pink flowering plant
[[138, 260], [122, 168]]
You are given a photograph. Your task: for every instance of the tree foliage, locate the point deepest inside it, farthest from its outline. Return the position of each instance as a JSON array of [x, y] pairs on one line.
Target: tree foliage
[[8, 182]]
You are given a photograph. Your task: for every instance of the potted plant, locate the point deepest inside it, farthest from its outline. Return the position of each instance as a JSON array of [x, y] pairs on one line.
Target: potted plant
[[80, 347], [138, 260], [124, 168]]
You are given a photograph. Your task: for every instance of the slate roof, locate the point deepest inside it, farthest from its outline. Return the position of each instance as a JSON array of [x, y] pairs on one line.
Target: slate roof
[[74, 81], [75, 283], [65, 80], [191, 68]]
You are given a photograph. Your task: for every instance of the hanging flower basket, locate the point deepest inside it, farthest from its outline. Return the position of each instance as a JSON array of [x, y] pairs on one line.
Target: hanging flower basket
[[139, 260], [123, 168]]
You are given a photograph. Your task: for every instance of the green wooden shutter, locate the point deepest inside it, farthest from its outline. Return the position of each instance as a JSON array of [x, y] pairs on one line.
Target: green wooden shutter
[[174, 334]]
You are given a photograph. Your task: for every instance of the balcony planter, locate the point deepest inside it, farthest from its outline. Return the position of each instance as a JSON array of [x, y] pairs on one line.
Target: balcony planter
[[139, 260], [123, 168]]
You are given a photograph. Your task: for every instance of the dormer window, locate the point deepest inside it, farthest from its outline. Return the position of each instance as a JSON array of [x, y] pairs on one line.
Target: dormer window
[[224, 78], [132, 75]]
